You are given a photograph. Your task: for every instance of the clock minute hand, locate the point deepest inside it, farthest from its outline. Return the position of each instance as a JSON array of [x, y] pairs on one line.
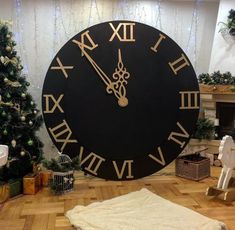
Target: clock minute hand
[[111, 87], [100, 72]]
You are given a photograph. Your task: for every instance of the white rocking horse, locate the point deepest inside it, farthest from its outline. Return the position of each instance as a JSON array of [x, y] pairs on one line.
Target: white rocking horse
[[227, 157], [3, 155]]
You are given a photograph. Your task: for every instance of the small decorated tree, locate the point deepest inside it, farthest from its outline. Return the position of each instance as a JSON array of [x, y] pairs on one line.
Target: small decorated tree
[[19, 118]]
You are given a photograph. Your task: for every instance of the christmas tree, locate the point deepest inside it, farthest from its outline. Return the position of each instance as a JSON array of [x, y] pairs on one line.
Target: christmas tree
[[19, 117]]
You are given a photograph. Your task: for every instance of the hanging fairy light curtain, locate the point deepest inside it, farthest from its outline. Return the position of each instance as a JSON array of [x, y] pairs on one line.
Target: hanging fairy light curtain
[[42, 27]]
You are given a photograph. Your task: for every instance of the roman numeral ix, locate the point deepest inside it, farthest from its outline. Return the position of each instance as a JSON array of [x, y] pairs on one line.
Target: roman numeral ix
[[49, 99]]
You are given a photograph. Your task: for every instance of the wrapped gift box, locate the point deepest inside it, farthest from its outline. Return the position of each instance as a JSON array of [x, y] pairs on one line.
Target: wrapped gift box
[[31, 183], [46, 176]]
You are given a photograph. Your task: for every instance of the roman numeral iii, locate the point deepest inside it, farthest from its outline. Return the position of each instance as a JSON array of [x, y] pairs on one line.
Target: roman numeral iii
[[124, 32], [189, 100]]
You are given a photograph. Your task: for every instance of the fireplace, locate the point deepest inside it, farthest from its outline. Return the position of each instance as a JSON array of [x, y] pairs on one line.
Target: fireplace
[[225, 112]]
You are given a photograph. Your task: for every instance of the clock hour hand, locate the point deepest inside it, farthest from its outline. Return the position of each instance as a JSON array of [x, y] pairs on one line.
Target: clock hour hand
[[111, 87], [120, 76]]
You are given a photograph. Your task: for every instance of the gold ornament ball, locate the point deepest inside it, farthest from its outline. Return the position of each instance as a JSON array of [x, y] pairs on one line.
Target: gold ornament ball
[[30, 123], [22, 153], [8, 48], [35, 112], [31, 103], [22, 118], [6, 79], [8, 36]]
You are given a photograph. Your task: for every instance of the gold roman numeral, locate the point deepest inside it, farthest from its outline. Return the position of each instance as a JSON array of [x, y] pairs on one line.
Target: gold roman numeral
[[61, 134], [124, 32], [160, 160], [189, 100], [154, 48], [94, 159], [50, 98], [179, 64], [174, 136], [83, 43], [127, 164], [61, 67]]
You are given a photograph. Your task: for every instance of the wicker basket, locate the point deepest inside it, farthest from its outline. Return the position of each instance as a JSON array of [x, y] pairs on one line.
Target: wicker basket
[[193, 170]]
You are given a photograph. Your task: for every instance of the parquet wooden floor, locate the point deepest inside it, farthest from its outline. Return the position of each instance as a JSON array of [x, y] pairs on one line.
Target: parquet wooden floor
[[45, 211]]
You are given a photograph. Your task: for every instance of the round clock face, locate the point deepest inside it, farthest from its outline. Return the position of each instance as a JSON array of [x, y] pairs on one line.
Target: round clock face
[[123, 96]]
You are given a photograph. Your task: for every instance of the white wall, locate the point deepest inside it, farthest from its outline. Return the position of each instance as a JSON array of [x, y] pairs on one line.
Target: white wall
[[41, 27], [223, 51]]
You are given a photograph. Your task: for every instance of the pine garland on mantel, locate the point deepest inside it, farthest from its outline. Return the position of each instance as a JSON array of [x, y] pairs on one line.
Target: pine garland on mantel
[[216, 78]]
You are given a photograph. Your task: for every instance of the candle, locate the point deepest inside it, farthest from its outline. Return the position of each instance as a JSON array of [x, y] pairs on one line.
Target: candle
[[216, 122]]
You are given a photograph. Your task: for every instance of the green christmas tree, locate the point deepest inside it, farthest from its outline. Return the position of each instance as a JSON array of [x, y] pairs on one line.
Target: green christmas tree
[[19, 117]]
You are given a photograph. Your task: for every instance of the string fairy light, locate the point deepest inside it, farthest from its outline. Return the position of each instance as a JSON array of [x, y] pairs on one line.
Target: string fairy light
[[158, 23], [19, 36], [55, 29], [192, 38], [66, 18], [60, 16]]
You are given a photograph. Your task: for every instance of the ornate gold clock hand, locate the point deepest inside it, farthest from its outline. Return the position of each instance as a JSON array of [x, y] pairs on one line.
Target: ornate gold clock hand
[[100, 72], [121, 76], [112, 87]]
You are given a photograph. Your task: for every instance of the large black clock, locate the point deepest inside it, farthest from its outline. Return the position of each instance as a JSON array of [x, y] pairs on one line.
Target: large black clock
[[123, 96]]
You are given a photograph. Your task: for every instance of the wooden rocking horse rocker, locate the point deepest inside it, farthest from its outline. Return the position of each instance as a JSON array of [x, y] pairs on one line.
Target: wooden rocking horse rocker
[[3, 161], [227, 157]]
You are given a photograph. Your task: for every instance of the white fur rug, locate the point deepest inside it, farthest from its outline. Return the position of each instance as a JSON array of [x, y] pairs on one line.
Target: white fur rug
[[140, 210]]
